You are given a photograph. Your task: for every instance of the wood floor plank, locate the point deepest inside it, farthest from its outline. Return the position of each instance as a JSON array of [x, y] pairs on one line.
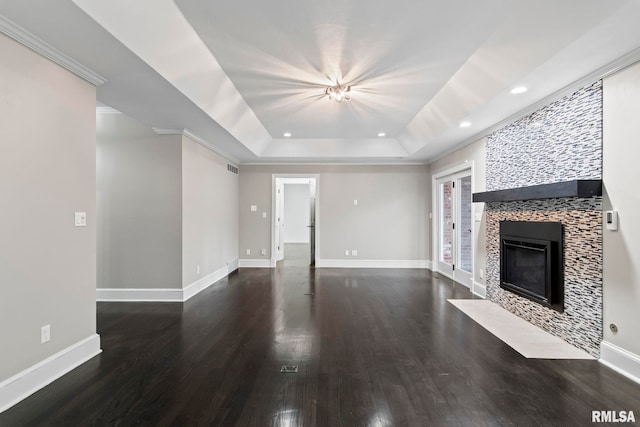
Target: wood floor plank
[[373, 347]]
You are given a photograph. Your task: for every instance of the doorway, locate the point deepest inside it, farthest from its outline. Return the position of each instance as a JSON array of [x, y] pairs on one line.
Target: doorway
[[294, 220], [453, 225]]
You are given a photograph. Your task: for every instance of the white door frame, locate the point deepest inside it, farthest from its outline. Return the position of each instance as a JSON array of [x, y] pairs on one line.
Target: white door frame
[[435, 218], [273, 209]]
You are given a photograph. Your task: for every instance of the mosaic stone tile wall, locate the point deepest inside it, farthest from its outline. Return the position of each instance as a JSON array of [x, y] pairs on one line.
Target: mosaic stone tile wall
[[567, 146], [581, 322], [560, 142]]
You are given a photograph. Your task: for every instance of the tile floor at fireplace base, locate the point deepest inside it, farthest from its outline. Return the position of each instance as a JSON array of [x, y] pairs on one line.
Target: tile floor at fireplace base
[[527, 339]]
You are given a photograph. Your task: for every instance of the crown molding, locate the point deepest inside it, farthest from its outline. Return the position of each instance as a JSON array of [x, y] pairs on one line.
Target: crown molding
[[195, 138], [316, 163], [107, 110], [163, 131], [24, 37]]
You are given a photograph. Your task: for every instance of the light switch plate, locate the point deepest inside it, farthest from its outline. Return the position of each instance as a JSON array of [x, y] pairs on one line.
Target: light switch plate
[[254, 208], [355, 202], [45, 334], [264, 214], [80, 219], [354, 252]]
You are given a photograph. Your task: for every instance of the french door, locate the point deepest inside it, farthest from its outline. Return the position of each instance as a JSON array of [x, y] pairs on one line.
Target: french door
[[453, 231]]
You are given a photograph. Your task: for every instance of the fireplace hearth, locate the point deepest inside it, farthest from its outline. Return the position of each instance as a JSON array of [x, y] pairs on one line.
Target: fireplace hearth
[[531, 261]]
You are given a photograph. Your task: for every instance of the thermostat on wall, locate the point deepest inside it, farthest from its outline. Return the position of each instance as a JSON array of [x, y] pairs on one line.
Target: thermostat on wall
[[611, 220]]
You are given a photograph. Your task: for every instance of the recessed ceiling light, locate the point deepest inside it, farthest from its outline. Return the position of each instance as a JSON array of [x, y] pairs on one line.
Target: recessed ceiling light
[[518, 89], [465, 124], [381, 134], [287, 134]]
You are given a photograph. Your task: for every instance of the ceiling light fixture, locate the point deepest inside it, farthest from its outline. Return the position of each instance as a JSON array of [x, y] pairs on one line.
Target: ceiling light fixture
[[519, 89], [465, 124], [287, 134], [382, 134], [338, 93]]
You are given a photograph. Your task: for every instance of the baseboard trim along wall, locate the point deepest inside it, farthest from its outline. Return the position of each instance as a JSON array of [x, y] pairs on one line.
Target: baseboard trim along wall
[[139, 295], [32, 379], [165, 295], [365, 263], [620, 360], [202, 284], [256, 263], [478, 289]]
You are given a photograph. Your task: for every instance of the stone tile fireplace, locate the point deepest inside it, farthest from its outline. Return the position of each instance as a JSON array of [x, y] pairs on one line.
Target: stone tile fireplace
[[556, 144]]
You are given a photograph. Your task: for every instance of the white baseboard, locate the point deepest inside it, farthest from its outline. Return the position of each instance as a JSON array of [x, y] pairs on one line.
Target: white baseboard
[[202, 284], [139, 295], [233, 265], [32, 379], [478, 289], [163, 295], [620, 360], [256, 263], [366, 263]]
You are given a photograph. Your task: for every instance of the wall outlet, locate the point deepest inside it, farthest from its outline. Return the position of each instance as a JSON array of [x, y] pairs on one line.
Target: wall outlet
[[611, 220], [80, 219], [264, 214], [481, 273], [45, 334], [346, 252], [354, 252], [263, 251], [248, 251], [355, 202], [198, 269]]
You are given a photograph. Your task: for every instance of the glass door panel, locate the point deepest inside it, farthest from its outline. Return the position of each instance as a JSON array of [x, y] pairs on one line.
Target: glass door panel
[[446, 222], [464, 231], [454, 222]]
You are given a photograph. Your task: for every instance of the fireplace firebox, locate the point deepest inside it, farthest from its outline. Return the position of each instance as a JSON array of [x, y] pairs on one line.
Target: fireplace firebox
[[531, 261]]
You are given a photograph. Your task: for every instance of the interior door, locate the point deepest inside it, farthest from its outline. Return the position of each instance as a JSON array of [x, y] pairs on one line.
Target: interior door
[[454, 227], [312, 221], [279, 220]]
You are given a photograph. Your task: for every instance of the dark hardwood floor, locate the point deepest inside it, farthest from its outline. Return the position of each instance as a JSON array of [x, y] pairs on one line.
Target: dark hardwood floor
[[374, 348]]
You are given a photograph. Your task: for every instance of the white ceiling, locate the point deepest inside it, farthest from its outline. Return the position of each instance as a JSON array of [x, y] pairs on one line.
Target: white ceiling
[[241, 73]]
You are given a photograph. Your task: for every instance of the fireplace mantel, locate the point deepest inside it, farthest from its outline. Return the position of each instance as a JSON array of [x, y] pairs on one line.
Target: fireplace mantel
[[574, 188]]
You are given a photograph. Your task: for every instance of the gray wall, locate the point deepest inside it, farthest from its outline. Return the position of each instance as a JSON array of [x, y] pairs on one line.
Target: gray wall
[[209, 212], [475, 153], [621, 175], [389, 223], [139, 205], [296, 213], [47, 172]]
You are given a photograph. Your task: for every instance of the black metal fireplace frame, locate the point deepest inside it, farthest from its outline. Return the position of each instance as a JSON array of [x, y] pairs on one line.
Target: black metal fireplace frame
[[550, 236]]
